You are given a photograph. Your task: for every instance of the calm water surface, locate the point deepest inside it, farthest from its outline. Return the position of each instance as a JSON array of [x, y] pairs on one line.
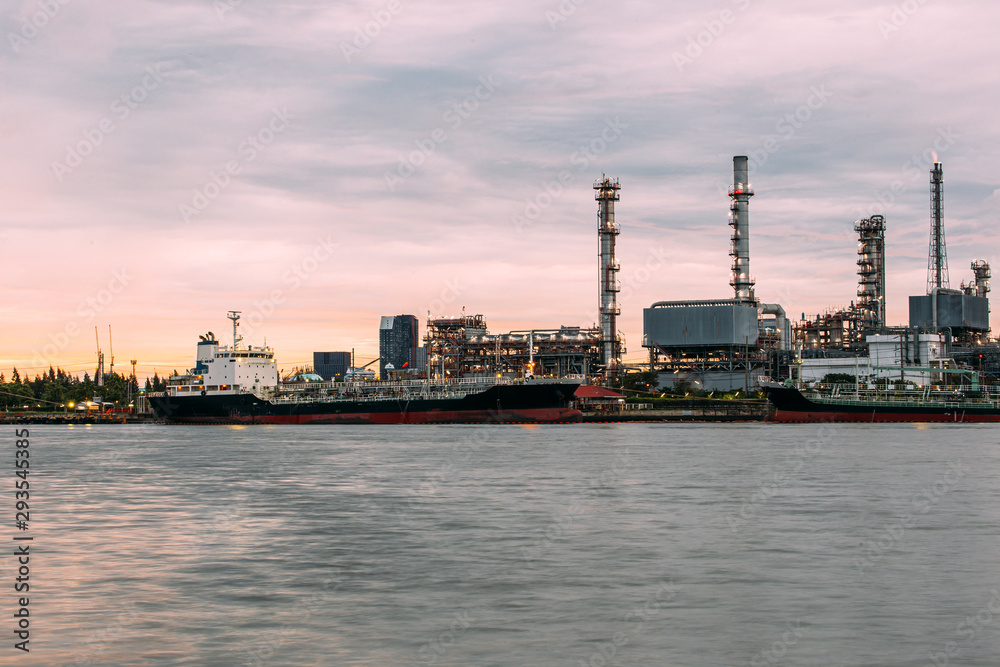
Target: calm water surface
[[634, 544]]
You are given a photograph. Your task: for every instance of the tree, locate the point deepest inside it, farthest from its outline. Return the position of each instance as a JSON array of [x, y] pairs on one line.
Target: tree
[[158, 383], [53, 393], [839, 378], [37, 385], [643, 381], [15, 395]]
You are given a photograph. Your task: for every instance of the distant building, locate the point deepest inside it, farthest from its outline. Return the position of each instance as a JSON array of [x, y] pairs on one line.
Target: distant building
[[329, 365], [398, 343]]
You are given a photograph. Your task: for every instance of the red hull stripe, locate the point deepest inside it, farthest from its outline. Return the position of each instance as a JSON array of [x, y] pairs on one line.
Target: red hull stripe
[[805, 417], [526, 416]]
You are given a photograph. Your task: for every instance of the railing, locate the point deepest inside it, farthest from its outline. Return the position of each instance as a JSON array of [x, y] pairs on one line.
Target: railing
[[950, 396], [403, 390]]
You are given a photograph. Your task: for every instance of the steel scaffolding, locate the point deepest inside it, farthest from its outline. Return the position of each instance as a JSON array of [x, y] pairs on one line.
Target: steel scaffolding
[[870, 307]]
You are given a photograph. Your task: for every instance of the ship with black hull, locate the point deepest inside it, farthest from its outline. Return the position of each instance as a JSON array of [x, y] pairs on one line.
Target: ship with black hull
[[382, 403], [884, 402], [240, 385]]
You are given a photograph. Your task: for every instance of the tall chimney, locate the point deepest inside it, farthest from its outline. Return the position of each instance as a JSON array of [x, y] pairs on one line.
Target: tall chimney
[[739, 220], [607, 230]]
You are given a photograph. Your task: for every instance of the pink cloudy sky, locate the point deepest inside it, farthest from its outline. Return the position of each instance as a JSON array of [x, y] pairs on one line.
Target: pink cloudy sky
[[113, 117]]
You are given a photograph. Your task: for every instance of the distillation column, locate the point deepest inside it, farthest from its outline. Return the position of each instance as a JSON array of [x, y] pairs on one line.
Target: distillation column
[[607, 231], [871, 272], [981, 270], [937, 254], [739, 220]]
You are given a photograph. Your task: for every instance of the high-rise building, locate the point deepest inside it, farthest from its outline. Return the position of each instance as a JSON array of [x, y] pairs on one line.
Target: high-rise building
[[397, 343], [330, 365]]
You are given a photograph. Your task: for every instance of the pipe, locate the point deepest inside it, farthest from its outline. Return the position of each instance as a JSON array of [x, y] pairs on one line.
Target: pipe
[[531, 351], [780, 320], [934, 308], [699, 302]]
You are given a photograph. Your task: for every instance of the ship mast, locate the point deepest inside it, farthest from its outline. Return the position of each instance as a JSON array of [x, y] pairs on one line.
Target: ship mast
[[234, 315]]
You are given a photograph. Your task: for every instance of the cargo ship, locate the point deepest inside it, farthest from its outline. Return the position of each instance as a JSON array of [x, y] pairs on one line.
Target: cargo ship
[[965, 402], [241, 385]]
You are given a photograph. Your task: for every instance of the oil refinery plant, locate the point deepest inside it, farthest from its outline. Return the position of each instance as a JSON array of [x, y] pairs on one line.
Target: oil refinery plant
[[720, 343], [729, 343], [463, 347]]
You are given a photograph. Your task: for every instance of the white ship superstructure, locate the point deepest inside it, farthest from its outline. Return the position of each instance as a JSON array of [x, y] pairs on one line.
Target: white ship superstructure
[[227, 370]]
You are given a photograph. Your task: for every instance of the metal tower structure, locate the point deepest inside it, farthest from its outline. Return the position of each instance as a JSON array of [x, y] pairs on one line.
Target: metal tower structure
[[937, 254], [99, 375], [607, 230], [739, 219], [234, 315], [871, 273], [981, 269], [133, 380], [111, 351]]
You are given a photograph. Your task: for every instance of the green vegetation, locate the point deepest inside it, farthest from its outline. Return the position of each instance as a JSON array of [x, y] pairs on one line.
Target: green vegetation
[[645, 381], [57, 388], [696, 399], [838, 378], [642, 388]]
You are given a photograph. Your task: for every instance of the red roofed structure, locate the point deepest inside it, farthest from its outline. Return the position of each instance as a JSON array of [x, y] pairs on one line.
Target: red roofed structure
[[592, 397]]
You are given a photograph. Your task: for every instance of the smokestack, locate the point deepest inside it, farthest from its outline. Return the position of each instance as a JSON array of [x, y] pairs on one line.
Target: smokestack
[[739, 219], [607, 230], [937, 254]]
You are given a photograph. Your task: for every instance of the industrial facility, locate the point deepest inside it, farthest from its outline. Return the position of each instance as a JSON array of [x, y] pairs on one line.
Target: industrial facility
[[715, 344], [726, 344], [846, 329], [946, 326], [461, 346], [719, 344]]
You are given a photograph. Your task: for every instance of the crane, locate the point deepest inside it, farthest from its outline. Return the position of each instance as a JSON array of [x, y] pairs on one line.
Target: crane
[[353, 371], [111, 351], [100, 360]]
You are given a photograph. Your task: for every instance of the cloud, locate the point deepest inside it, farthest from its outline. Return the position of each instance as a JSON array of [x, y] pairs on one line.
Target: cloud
[[560, 84]]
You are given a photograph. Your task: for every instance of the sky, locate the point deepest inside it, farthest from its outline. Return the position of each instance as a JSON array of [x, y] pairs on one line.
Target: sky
[[318, 165]]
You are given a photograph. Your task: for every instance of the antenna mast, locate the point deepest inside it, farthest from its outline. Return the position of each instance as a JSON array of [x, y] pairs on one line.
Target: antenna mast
[[937, 255], [234, 315]]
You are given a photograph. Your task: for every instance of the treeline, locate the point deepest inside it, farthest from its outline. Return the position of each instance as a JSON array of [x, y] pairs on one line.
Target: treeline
[[57, 387]]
